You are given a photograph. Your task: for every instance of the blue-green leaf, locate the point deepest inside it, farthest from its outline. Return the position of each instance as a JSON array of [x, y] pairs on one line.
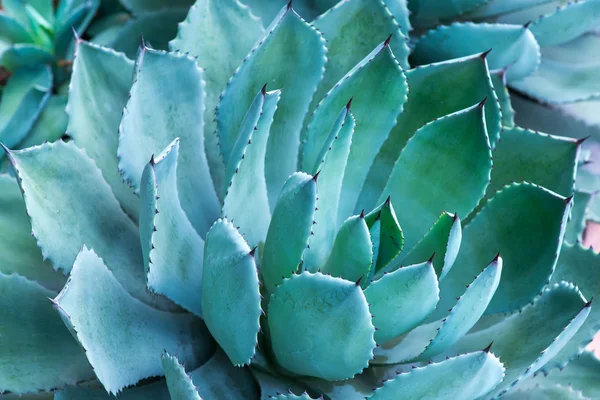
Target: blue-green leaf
[[391, 238], [219, 33], [230, 292], [143, 6], [377, 86], [327, 319], [466, 376], [38, 352], [555, 392], [513, 47], [297, 72], [402, 299], [172, 250], [431, 12], [24, 55], [11, 31], [179, 383], [23, 99], [508, 113], [155, 391], [289, 231], [577, 221], [446, 165], [97, 94], [518, 214], [50, 126], [124, 338], [148, 126]]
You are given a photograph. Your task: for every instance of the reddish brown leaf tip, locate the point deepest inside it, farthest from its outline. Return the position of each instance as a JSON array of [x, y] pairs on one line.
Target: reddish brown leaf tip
[[485, 53], [316, 176], [253, 251], [583, 139], [482, 102], [387, 41], [496, 258], [358, 281], [569, 199], [362, 214]]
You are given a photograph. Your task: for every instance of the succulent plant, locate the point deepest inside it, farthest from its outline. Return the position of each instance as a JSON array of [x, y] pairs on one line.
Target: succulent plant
[[293, 212]]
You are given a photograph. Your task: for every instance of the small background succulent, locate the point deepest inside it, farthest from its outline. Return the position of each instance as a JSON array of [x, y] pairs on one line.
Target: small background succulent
[[337, 232]]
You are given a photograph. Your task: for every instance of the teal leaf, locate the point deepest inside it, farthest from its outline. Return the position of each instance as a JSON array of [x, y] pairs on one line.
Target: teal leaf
[[391, 238], [353, 29], [148, 127], [298, 72], [378, 88], [76, 21], [228, 31], [581, 266], [11, 31], [289, 231], [527, 340], [577, 222], [433, 95], [19, 250], [63, 222], [50, 126], [443, 240], [431, 12], [357, 388], [23, 99], [230, 292], [38, 353], [466, 376], [566, 73], [308, 9], [24, 55], [156, 27], [352, 251], [124, 338], [66, 9], [246, 170], [218, 379], [156, 391], [524, 155], [513, 47], [467, 311], [17, 9], [508, 113], [142, 6], [271, 384], [555, 392], [511, 10], [330, 168], [179, 383], [101, 77], [328, 319], [566, 23], [172, 250], [402, 299], [446, 165], [540, 216]]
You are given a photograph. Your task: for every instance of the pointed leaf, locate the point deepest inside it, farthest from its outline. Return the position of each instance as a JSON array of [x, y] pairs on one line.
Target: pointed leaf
[[76, 21], [352, 251], [38, 352], [179, 383], [378, 90], [526, 340], [124, 338], [402, 299], [97, 94], [508, 113], [157, 28], [71, 207], [298, 72], [50, 126], [391, 238], [432, 12], [175, 82], [517, 215], [19, 250], [11, 31], [172, 250], [524, 155], [555, 392], [445, 166], [227, 32], [467, 376], [23, 99], [289, 230], [443, 240], [24, 55], [334, 156], [513, 46], [432, 95], [230, 292], [142, 6], [246, 171], [577, 222], [467, 311], [326, 318], [156, 391]]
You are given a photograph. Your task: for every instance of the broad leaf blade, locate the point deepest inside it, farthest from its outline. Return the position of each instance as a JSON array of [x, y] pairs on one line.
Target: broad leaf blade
[[179, 383]]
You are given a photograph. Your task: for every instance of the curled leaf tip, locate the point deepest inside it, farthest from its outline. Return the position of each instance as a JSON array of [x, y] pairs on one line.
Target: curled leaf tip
[[487, 349], [387, 41], [482, 102], [485, 53]]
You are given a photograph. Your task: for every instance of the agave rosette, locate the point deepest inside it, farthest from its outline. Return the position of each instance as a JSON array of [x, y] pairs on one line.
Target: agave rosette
[[299, 197]]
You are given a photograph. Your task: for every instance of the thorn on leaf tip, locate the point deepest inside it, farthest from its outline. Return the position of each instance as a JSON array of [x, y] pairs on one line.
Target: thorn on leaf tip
[[482, 102], [253, 251], [263, 91], [362, 214], [349, 104], [387, 41], [485, 53], [487, 349], [431, 258], [316, 176]]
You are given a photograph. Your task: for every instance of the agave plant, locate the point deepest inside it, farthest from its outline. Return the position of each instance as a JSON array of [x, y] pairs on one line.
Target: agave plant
[[296, 239]]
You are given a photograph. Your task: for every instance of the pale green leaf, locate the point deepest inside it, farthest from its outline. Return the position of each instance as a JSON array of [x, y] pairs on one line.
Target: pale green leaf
[[219, 33], [97, 95], [298, 72], [327, 319], [124, 338], [230, 292], [179, 383], [167, 102], [172, 250], [289, 231], [50, 126]]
